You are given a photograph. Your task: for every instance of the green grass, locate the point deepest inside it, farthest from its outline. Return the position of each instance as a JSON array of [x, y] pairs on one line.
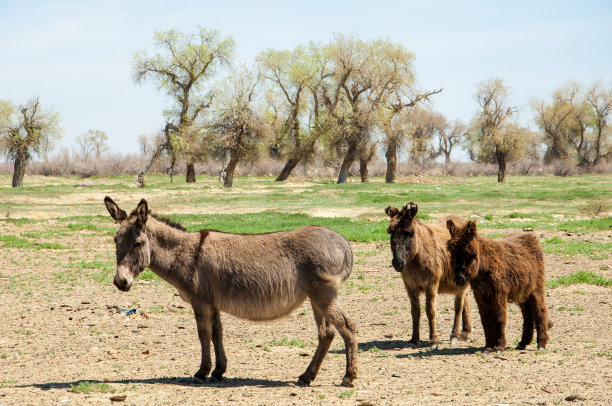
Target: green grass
[[580, 277], [557, 245], [285, 342], [11, 241], [88, 387]]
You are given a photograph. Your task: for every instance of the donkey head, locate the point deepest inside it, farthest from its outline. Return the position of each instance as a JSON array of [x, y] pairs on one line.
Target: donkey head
[[131, 242], [464, 251], [402, 228]]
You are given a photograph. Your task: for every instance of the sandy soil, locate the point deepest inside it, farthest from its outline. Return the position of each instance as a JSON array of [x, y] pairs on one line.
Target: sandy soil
[[60, 327]]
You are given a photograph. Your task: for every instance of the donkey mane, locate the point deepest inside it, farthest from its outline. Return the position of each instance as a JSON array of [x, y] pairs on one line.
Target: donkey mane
[[167, 221]]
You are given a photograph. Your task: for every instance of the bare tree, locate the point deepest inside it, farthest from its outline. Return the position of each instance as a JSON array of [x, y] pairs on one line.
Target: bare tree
[[238, 129], [93, 142], [181, 70], [394, 124], [450, 135], [600, 100], [26, 130], [494, 136]]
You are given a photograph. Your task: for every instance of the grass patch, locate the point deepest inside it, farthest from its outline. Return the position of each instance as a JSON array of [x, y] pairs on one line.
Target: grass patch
[[557, 245], [580, 277], [346, 394], [88, 387], [11, 241], [285, 342], [266, 222]]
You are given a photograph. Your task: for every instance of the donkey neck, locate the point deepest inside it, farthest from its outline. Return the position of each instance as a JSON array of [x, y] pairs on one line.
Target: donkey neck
[[174, 253]]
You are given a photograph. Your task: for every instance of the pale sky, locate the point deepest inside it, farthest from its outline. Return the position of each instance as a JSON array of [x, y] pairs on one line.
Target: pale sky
[[76, 55]]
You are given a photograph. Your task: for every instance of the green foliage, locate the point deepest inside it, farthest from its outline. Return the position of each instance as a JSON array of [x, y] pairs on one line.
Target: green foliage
[[580, 277], [88, 387]]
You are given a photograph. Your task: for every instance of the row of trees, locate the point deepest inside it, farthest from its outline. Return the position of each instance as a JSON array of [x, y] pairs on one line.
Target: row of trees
[[348, 99]]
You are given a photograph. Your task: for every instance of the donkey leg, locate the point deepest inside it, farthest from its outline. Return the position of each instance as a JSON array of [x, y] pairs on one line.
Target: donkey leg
[[430, 309], [203, 321], [337, 316], [486, 318], [454, 338], [217, 339], [326, 334], [540, 316], [415, 311], [501, 315], [528, 324], [466, 317]]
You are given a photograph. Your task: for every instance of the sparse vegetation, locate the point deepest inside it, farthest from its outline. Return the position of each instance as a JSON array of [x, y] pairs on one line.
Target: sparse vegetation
[[580, 277]]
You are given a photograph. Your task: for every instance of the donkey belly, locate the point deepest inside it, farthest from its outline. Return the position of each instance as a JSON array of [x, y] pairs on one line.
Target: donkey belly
[[260, 308]]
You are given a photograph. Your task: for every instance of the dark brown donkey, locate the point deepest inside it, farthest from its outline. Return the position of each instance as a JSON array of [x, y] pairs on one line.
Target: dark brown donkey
[[255, 277], [508, 270], [420, 254]]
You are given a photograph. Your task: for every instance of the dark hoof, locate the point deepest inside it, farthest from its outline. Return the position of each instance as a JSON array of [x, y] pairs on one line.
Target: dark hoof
[[304, 380], [200, 376], [215, 378], [521, 347], [413, 344], [347, 383]]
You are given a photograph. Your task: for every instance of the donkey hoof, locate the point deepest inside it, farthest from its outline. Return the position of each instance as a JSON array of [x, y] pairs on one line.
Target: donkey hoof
[[521, 347], [433, 346], [464, 336], [454, 342], [304, 380], [215, 378], [347, 383], [200, 376], [413, 344], [540, 348]]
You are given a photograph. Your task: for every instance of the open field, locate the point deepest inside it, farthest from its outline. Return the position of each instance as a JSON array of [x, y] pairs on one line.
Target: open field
[[62, 340]]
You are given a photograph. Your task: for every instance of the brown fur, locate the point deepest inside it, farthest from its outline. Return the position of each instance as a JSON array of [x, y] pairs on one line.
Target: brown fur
[[508, 270], [255, 277], [420, 254]]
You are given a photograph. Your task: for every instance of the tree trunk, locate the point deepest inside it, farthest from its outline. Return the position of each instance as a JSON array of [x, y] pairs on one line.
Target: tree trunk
[[19, 170], [501, 168], [190, 178], [229, 171], [289, 166], [391, 156], [363, 169], [349, 157], [140, 181]]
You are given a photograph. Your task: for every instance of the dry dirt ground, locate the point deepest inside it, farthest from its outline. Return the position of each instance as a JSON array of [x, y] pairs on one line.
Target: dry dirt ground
[[59, 328]]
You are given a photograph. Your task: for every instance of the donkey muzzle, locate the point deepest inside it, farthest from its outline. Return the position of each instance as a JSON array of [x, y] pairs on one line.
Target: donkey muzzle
[[123, 280], [398, 265]]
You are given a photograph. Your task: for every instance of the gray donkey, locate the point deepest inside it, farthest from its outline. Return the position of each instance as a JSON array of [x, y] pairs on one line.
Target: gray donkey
[[251, 276]]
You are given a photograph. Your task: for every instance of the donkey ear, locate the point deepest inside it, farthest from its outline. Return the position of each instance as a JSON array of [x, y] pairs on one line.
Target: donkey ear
[[412, 208], [391, 211], [452, 228], [114, 210], [470, 229], [142, 212]]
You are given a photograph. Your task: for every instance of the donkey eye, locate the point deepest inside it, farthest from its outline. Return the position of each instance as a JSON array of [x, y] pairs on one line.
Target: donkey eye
[[410, 233], [137, 244]]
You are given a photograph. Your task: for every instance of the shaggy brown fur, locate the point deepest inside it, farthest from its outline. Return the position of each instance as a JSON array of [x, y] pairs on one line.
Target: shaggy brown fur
[[420, 254], [508, 270], [255, 277]]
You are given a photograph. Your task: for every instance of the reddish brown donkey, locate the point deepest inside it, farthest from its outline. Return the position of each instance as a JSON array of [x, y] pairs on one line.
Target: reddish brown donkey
[[508, 270], [255, 277], [420, 254]]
